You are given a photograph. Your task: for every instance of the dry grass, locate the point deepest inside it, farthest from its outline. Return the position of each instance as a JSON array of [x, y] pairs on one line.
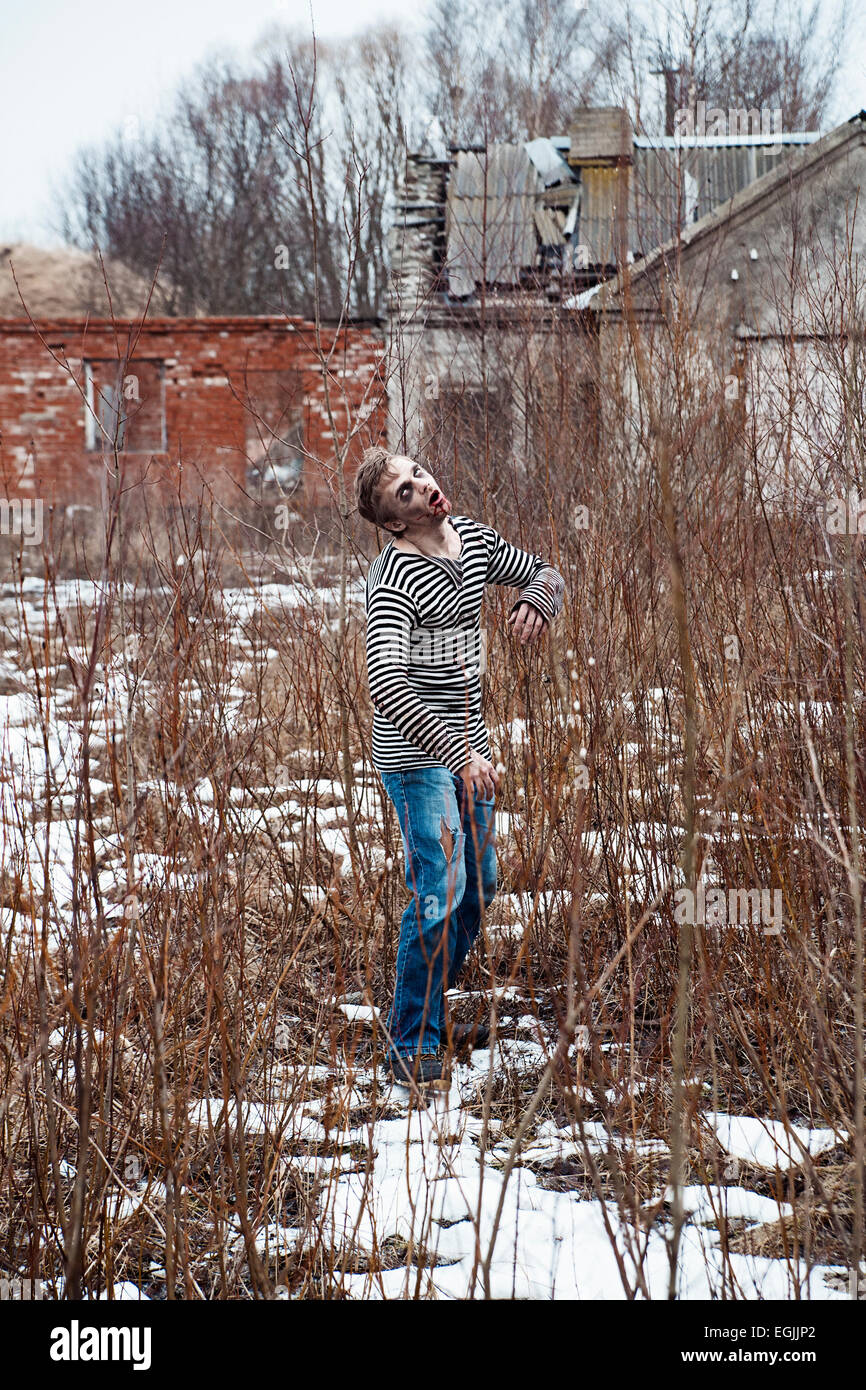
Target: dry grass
[[211, 916]]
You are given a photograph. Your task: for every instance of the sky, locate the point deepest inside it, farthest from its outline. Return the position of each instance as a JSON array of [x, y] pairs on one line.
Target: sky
[[74, 71]]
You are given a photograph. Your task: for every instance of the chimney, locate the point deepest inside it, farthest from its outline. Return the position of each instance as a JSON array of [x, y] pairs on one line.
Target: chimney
[[601, 149], [600, 135]]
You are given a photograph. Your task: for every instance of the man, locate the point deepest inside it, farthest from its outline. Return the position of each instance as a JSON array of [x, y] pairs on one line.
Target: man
[[430, 747]]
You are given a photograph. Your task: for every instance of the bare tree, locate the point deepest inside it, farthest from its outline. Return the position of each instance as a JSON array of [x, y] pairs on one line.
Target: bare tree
[[788, 63], [509, 71], [219, 192], [379, 120], [733, 54]]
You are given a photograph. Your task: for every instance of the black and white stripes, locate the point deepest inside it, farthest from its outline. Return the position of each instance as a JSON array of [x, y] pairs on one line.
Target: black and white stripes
[[424, 644]]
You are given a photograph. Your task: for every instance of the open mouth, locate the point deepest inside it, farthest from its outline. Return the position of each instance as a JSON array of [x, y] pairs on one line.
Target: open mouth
[[438, 501]]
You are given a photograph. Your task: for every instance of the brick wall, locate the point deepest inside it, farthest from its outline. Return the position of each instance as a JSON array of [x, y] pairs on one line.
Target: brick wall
[[209, 371]]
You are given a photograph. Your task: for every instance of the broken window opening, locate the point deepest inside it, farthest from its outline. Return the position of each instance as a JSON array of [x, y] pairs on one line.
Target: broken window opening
[[125, 406], [274, 432]]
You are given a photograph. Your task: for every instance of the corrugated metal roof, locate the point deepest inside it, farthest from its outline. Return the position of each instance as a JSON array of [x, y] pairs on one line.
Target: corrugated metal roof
[[532, 198], [675, 142], [493, 242], [773, 184], [597, 228], [672, 142], [673, 185], [549, 163], [549, 224]]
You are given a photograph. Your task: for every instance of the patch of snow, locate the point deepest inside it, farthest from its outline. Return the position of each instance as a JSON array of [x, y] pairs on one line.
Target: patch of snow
[[768, 1143], [709, 1204], [360, 1013]]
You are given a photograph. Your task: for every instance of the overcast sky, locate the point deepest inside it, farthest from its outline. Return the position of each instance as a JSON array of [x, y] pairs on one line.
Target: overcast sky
[[72, 71]]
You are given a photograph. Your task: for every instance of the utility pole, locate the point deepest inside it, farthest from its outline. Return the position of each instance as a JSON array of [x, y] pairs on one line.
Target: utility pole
[[670, 75]]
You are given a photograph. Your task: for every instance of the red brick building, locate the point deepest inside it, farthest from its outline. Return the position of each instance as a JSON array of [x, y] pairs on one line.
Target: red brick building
[[240, 402]]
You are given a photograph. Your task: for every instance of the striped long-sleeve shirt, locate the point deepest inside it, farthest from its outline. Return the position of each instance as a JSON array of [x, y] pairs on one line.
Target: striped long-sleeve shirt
[[424, 644]]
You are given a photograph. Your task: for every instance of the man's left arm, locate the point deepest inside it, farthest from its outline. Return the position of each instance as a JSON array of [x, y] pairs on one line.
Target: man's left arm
[[541, 586]]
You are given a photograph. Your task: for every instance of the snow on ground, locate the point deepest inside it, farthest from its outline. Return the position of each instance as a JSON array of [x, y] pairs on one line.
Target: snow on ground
[[250, 602], [710, 1204], [423, 1175], [767, 1143], [359, 1013], [427, 1181]]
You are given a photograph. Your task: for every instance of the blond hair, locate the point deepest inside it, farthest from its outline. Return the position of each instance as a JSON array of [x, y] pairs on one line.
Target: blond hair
[[368, 480]]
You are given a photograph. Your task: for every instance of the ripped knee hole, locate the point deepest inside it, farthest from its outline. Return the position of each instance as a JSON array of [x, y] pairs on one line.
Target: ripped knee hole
[[446, 838]]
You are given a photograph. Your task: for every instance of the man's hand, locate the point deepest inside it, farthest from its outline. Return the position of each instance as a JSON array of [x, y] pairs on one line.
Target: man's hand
[[527, 623], [479, 776]]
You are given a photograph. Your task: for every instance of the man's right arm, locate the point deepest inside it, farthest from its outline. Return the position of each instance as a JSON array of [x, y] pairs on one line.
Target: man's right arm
[[389, 625]]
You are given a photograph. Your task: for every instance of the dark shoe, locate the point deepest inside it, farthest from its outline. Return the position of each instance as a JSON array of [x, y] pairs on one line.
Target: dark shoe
[[425, 1070], [469, 1035]]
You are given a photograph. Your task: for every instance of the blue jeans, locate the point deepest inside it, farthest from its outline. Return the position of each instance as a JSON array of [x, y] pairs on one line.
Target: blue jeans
[[450, 850]]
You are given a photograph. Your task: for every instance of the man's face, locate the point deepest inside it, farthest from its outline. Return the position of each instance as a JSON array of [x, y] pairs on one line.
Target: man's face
[[412, 496]]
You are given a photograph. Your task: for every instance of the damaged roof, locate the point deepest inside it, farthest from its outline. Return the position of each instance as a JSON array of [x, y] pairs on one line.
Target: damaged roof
[[552, 205], [501, 207]]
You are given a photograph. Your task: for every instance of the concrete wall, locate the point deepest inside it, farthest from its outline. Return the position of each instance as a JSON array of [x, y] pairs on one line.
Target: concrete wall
[[767, 292]]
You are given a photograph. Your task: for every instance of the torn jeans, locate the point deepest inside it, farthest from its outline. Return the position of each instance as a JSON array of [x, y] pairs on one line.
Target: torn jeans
[[450, 857]]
